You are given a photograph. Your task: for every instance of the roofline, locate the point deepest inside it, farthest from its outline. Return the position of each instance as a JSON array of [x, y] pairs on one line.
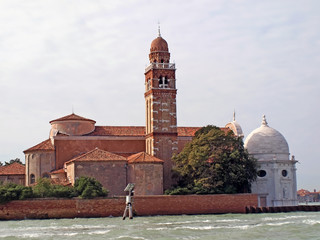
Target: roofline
[[72, 120], [38, 150], [82, 160], [147, 162], [107, 137]]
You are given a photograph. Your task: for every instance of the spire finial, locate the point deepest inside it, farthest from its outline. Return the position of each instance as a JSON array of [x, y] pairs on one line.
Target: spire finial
[[159, 34], [234, 115], [264, 121]]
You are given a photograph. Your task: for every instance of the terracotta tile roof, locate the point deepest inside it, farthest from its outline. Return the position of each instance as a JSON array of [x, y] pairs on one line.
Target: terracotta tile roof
[[190, 131], [13, 169], [187, 131], [118, 131], [137, 131], [72, 117], [303, 192], [97, 155], [43, 146], [226, 129], [143, 157], [61, 170]]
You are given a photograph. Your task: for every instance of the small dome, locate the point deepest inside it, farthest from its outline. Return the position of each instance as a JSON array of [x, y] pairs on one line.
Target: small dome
[[72, 125], [266, 142], [159, 45], [235, 127]]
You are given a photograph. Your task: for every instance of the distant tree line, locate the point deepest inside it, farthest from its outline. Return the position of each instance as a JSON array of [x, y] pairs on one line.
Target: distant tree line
[[17, 160], [84, 187]]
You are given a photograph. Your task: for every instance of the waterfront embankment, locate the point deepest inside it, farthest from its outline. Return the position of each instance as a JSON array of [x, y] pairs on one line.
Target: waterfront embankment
[[142, 206]]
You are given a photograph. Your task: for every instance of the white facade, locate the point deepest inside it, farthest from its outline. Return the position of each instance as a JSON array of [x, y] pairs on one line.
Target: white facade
[[276, 183]]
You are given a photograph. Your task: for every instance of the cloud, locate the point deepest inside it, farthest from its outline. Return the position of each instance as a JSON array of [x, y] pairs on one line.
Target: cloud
[[254, 57]]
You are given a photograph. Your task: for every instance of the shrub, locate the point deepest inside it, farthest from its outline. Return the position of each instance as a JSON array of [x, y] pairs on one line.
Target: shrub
[[45, 188], [12, 191], [85, 187], [88, 187], [63, 191]]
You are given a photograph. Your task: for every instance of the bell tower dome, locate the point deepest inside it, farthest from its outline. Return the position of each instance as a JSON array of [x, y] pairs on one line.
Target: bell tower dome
[[160, 97]]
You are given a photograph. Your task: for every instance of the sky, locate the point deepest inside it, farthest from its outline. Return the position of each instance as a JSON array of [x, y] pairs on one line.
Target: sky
[[89, 56]]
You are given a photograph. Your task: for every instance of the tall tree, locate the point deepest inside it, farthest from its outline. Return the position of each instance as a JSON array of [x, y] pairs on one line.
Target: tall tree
[[213, 162]]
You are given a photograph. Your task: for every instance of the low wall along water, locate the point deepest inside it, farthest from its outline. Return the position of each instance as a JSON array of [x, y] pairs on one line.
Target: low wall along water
[[142, 206]]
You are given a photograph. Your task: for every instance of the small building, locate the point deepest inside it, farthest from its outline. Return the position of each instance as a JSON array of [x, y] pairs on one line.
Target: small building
[[305, 196], [13, 173]]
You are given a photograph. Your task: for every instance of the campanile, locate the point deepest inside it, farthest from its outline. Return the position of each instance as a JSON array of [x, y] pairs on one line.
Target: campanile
[[160, 97]]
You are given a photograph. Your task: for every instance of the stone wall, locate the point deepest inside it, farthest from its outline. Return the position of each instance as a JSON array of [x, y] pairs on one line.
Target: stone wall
[[143, 206], [39, 164], [18, 179]]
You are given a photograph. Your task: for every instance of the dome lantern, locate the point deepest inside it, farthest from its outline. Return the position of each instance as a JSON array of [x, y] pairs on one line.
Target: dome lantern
[[159, 51]]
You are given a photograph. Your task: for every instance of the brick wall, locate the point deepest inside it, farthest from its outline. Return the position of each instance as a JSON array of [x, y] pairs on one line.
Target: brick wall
[[111, 174], [193, 204], [143, 206], [147, 177]]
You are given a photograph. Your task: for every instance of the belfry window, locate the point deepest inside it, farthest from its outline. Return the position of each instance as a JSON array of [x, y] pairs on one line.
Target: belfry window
[[163, 82]]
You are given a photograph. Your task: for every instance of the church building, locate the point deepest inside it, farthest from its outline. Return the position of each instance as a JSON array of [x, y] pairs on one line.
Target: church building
[[118, 155]]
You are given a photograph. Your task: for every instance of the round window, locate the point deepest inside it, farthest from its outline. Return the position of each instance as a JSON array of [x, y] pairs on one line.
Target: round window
[[284, 173], [262, 173]]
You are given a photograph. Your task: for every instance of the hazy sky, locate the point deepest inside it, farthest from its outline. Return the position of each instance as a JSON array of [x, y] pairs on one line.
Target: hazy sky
[[257, 57]]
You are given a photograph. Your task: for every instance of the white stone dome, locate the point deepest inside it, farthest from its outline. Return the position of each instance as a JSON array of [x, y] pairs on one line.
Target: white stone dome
[[235, 127], [266, 143]]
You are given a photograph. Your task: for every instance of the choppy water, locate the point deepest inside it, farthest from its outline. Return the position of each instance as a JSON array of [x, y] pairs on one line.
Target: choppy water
[[303, 225]]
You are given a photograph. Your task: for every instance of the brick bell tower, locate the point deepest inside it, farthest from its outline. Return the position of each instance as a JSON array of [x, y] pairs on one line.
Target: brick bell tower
[[160, 96]]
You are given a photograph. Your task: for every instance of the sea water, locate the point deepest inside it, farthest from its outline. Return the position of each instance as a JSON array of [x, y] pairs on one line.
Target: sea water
[[297, 225]]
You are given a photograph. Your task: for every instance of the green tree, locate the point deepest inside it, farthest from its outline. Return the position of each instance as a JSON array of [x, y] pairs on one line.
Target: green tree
[[17, 160], [213, 162], [88, 187]]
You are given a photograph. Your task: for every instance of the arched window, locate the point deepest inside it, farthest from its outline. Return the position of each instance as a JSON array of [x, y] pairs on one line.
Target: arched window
[[163, 82], [32, 178], [160, 81]]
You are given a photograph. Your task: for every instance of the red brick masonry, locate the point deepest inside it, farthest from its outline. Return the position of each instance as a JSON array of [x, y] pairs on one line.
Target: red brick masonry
[[143, 206]]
